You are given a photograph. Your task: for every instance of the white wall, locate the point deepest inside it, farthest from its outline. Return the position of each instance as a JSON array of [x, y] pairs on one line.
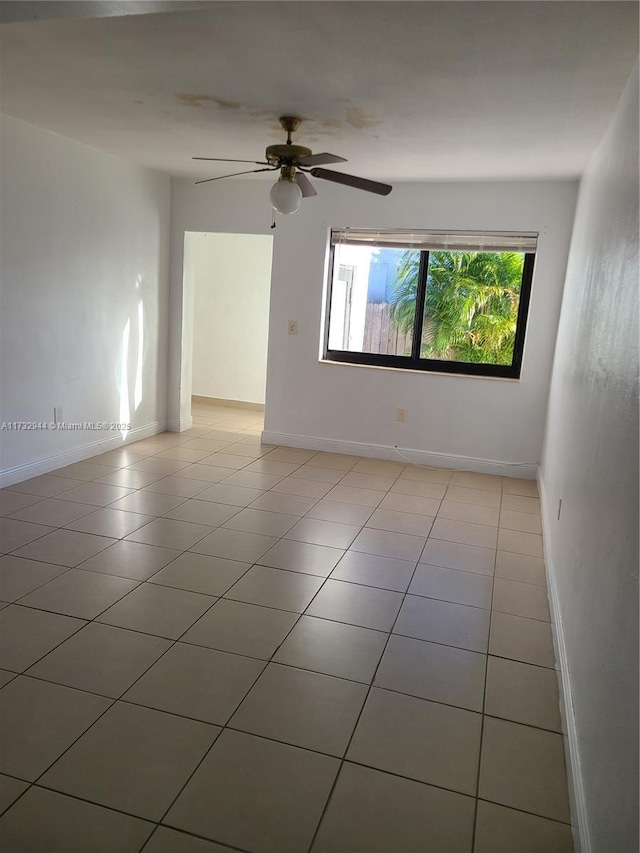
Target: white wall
[[479, 419], [84, 242], [232, 277], [591, 461]]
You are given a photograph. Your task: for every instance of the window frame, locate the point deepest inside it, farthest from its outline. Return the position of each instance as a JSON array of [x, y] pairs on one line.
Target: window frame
[[434, 365]]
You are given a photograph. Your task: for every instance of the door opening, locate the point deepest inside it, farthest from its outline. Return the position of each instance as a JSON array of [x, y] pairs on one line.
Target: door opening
[[226, 324]]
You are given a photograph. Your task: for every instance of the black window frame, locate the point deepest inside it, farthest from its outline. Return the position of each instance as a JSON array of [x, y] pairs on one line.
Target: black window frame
[[434, 365]]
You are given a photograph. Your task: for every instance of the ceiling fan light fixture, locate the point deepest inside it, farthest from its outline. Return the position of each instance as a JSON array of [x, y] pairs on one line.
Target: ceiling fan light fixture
[[285, 195]]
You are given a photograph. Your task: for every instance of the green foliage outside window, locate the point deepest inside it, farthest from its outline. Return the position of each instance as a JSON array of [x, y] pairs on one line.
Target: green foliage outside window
[[471, 305]]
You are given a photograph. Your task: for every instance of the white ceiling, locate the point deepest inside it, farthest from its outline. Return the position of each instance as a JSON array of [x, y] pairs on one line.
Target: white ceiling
[[404, 90]]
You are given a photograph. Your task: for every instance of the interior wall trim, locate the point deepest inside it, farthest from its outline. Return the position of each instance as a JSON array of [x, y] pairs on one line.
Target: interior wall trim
[[577, 801], [403, 454], [235, 404], [179, 424], [19, 473]]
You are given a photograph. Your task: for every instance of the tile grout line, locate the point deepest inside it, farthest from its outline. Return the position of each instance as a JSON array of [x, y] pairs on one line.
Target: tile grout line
[[188, 835], [132, 491], [484, 699], [108, 708], [266, 661], [139, 582], [156, 824], [226, 725], [366, 698]]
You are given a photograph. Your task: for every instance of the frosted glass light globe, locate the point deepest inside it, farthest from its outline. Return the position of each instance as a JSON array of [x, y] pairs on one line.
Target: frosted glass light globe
[[285, 196]]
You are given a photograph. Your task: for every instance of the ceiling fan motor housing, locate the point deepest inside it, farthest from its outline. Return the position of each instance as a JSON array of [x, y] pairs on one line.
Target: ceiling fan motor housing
[[285, 154]]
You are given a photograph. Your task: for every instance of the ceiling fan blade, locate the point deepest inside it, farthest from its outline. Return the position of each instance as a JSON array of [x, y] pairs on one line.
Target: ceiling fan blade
[[321, 160], [227, 160], [305, 185], [352, 181], [233, 175]]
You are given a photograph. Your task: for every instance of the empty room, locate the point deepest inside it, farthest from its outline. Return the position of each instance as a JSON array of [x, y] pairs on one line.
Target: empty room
[[319, 426]]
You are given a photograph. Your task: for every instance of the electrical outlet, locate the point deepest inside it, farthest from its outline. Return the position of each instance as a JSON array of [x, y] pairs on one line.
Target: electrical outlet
[[57, 415], [401, 415], [292, 327]]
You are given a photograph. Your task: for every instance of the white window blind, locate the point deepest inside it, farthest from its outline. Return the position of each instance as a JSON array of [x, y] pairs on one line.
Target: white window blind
[[460, 241]]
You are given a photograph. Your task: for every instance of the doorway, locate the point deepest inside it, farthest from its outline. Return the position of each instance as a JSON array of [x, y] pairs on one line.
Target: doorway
[[231, 275]]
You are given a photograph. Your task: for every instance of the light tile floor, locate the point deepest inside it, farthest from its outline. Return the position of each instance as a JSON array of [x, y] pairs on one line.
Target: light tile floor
[[208, 644]]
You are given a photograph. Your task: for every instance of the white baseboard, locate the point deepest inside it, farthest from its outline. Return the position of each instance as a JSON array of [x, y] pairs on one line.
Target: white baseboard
[[224, 402], [179, 424], [577, 803], [403, 454], [19, 473]]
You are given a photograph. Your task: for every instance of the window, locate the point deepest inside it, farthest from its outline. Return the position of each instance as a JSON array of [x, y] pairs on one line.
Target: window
[[449, 302]]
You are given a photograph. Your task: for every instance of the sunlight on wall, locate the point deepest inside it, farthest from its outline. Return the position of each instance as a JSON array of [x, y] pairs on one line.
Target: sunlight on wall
[[137, 391], [123, 377], [124, 381]]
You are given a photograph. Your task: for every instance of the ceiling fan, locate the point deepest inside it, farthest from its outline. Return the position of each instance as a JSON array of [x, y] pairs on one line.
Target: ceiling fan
[[294, 163]]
